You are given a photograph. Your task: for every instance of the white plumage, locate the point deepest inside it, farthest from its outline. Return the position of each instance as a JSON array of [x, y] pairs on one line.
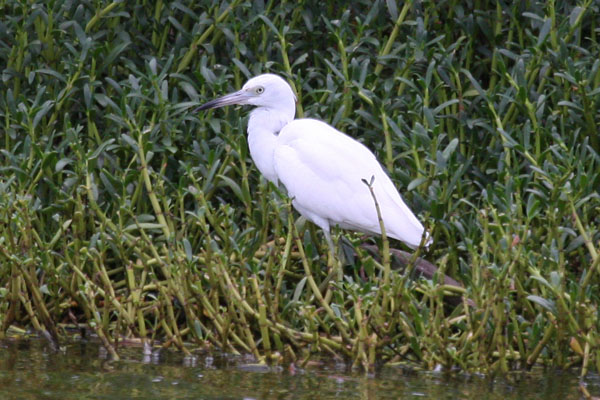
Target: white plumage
[[321, 168]]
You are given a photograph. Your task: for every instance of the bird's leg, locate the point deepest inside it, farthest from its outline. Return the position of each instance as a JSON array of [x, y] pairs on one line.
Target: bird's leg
[[330, 269], [330, 248], [337, 259], [334, 268]]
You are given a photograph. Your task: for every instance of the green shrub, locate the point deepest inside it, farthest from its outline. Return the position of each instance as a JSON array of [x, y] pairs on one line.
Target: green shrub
[[125, 212]]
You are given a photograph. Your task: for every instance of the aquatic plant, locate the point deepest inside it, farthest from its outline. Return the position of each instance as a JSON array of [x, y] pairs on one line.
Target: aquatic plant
[[125, 215]]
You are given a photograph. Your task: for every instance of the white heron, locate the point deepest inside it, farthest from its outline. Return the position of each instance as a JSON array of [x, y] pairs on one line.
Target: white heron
[[322, 169]]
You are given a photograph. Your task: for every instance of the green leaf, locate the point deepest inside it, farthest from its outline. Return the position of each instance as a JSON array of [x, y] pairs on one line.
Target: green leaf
[[106, 145], [474, 82], [233, 185], [392, 9], [445, 104], [450, 148], [545, 303], [62, 163], [53, 73], [129, 140], [270, 24], [198, 329], [115, 52], [188, 249], [545, 29], [299, 289], [42, 112], [415, 183], [144, 226], [575, 15], [87, 96], [570, 104]]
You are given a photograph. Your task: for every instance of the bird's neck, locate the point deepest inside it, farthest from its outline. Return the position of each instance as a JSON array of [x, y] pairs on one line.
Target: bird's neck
[[263, 127], [269, 119]]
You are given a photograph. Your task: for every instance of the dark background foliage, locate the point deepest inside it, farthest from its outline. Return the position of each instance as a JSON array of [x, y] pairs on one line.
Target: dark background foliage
[[484, 113]]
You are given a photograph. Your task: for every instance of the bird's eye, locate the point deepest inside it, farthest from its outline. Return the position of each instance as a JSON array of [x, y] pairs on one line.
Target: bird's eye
[[259, 90]]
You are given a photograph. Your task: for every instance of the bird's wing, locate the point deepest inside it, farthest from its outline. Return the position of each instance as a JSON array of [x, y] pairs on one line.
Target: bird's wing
[[323, 171]]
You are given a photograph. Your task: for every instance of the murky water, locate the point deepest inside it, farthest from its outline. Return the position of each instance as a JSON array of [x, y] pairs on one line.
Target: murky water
[[30, 370]]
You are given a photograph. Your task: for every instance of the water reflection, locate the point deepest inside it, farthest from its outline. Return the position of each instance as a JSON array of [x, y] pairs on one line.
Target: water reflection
[[30, 370]]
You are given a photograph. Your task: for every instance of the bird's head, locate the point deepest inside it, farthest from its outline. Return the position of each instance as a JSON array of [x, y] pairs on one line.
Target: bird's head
[[267, 90]]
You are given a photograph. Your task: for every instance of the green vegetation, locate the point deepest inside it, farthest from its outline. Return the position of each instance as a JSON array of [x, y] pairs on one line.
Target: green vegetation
[[124, 213]]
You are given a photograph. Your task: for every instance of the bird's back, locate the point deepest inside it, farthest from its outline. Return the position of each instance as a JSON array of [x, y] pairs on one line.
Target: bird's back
[[323, 171]]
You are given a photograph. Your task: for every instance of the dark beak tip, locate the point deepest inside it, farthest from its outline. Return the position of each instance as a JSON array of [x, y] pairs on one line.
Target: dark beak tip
[[208, 105], [205, 106], [232, 98]]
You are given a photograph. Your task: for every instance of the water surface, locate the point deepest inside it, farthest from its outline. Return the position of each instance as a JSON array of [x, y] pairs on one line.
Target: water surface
[[29, 369]]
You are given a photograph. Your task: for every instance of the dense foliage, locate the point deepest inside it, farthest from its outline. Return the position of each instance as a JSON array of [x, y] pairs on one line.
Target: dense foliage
[[124, 212]]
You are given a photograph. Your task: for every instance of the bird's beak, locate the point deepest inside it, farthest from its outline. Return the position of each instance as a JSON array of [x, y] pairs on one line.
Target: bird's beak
[[239, 97]]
